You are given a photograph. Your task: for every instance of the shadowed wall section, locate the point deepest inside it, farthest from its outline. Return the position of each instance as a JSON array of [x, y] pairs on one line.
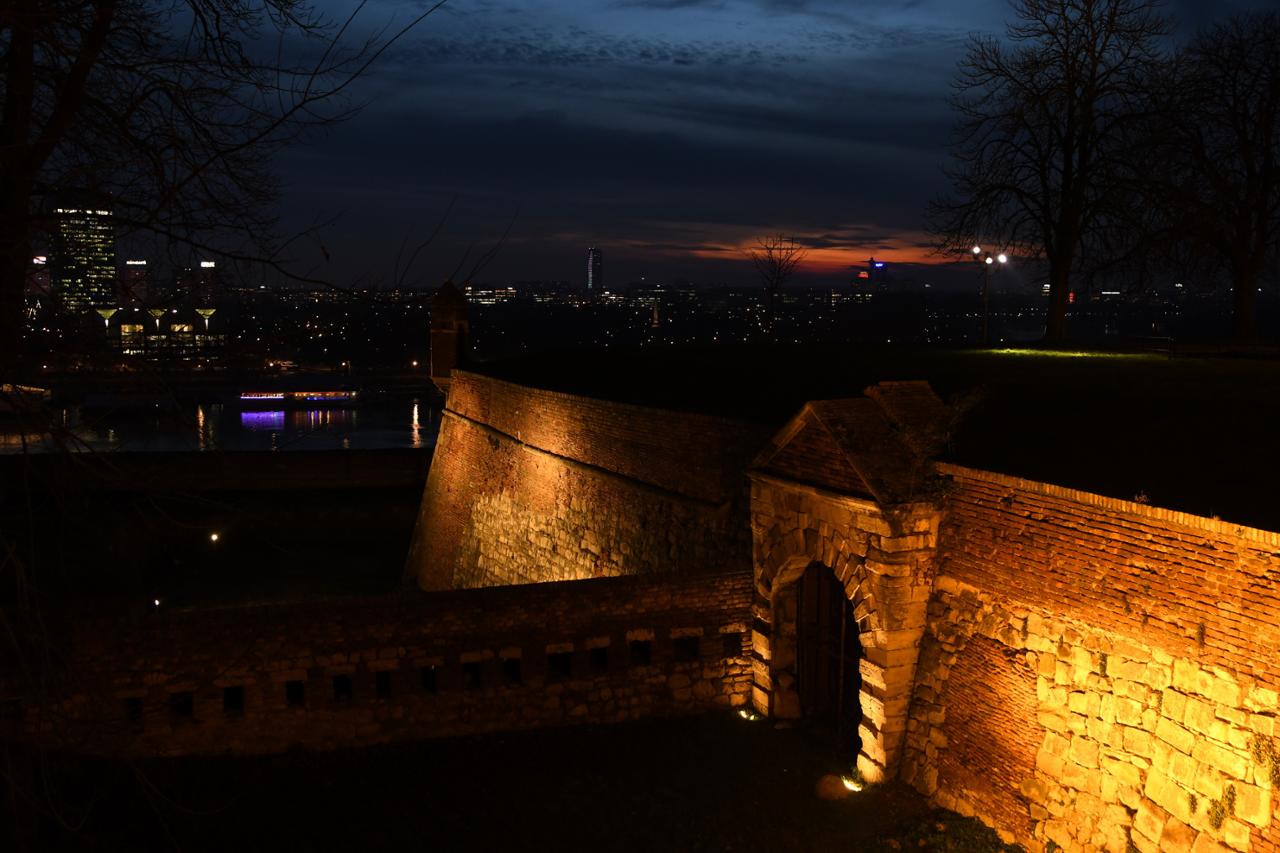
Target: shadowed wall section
[[362, 671], [528, 486]]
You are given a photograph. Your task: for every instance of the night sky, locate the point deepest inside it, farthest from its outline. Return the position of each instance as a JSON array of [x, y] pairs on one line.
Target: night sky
[[668, 132]]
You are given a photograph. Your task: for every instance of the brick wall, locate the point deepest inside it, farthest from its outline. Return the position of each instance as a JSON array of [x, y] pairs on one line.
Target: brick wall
[[1151, 636], [529, 485], [991, 692], [367, 671]]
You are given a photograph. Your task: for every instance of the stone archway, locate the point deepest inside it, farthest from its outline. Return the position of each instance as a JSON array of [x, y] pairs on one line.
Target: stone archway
[[846, 484], [884, 671]]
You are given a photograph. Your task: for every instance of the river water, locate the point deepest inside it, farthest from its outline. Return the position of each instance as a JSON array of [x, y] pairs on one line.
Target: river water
[[407, 422]]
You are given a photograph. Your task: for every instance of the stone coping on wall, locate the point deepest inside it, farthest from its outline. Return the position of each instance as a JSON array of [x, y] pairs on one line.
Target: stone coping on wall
[[1199, 522], [567, 397], [684, 452]]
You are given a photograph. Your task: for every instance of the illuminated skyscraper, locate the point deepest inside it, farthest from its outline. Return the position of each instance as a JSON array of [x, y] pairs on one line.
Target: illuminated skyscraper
[[595, 269], [84, 257]]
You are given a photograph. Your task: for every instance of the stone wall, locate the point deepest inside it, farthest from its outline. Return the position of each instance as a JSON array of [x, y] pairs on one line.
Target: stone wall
[[1098, 673], [367, 671], [529, 485]]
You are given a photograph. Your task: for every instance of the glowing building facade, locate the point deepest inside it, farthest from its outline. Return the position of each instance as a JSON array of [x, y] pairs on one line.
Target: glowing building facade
[[595, 269], [84, 258]]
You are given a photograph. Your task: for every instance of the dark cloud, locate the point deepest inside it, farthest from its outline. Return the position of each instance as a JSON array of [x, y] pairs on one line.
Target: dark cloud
[[668, 131]]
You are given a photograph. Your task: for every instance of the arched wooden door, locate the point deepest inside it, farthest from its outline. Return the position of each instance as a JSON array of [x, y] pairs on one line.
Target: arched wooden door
[[827, 655]]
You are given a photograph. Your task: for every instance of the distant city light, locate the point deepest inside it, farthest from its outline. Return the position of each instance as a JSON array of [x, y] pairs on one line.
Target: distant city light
[[135, 263], [977, 250], [208, 265], [990, 260], [213, 537], [1002, 258]]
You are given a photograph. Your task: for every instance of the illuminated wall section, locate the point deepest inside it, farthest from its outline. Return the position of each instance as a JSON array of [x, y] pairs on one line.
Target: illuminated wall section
[[528, 485]]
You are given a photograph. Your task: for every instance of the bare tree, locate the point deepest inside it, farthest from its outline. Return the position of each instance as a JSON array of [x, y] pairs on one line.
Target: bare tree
[[775, 259], [171, 108], [1213, 164], [1042, 136]]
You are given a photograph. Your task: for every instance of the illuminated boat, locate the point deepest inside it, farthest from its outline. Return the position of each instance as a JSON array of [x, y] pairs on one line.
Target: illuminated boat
[[309, 399]]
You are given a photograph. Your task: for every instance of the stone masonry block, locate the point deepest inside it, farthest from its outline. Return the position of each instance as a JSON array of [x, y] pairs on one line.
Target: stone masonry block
[[1175, 735], [1253, 804]]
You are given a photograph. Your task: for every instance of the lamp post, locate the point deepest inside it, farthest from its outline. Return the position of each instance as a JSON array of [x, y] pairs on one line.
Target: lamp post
[[988, 261]]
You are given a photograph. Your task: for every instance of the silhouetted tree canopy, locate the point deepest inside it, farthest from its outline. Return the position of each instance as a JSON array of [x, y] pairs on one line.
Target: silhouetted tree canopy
[[1043, 136], [1211, 170]]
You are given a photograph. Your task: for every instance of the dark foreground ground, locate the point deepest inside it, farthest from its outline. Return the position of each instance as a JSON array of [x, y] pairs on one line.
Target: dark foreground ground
[[705, 784]]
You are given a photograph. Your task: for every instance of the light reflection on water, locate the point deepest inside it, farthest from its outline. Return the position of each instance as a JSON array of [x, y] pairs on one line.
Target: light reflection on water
[[257, 421], [208, 427]]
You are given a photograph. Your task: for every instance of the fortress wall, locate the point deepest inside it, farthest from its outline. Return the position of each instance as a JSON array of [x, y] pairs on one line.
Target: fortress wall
[[587, 652], [1099, 673], [529, 486]]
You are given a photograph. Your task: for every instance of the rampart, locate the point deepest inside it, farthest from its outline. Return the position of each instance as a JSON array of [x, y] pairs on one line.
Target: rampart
[[1080, 672], [367, 671], [1098, 673], [530, 485]]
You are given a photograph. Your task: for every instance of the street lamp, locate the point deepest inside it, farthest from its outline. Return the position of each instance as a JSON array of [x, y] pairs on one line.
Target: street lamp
[[988, 261], [106, 314]]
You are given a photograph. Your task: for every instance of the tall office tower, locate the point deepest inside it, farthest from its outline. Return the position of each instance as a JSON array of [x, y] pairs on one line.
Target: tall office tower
[[135, 284], [595, 269], [38, 283], [84, 257], [199, 285]]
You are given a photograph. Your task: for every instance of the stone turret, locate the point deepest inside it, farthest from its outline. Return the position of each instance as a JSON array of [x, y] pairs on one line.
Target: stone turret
[[450, 331]]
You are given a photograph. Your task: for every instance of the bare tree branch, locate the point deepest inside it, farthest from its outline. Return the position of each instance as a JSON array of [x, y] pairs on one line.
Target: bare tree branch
[[1041, 142]]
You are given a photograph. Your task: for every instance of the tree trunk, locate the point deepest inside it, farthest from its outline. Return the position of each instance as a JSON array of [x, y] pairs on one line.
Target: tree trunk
[[1244, 283], [15, 255], [1059, 295]]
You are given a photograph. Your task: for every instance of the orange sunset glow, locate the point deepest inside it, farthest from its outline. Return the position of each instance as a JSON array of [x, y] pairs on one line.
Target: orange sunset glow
[[906, 248]]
